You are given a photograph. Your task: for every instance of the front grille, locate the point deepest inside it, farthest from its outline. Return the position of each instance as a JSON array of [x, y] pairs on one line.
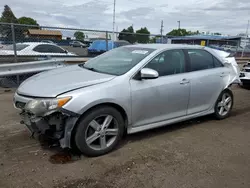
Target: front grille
[[20, 105]]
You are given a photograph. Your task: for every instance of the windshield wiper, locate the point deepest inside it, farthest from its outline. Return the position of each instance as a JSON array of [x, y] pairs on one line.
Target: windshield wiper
[[89, 68]]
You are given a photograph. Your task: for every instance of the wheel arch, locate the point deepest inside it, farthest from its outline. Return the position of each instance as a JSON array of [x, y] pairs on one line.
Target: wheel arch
[[111, 104], [119, 108], [229, 90]]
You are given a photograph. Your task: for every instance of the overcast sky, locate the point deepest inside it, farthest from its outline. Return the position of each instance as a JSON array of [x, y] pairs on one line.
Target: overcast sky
[[225, 16]]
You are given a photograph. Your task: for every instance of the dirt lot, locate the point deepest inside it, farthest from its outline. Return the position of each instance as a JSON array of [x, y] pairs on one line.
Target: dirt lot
[[199, 153]]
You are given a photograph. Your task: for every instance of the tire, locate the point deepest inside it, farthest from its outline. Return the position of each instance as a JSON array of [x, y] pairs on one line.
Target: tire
[[227, 106], [104, 143]]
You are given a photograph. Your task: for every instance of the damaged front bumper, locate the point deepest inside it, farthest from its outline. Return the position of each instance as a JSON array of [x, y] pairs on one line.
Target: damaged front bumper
[[57, 126]]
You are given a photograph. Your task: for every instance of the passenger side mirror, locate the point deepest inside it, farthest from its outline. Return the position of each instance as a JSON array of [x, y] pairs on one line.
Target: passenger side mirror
[[147, 73]]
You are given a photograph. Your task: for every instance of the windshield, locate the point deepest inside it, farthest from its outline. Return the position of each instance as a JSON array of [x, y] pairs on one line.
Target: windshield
[[118, 61], [19, 47]]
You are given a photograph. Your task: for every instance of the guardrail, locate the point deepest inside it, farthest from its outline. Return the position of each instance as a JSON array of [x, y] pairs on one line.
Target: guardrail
[[242, 60], [12, 69], [15, 73], [6, 59], [12, 74]]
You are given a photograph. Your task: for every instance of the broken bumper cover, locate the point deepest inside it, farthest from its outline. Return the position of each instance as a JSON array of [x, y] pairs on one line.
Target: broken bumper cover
[[245, 78], [57, 125], [34, 124]]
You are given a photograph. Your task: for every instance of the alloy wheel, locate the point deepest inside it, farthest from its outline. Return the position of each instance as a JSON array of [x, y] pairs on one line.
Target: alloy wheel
[[225, 104], [101, 132]]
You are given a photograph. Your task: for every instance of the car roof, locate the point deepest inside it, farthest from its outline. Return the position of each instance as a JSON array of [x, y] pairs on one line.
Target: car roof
[[166, 46], [35, 43]]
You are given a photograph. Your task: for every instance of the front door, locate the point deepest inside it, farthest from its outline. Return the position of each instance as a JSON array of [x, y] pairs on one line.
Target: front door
[[165, 97]]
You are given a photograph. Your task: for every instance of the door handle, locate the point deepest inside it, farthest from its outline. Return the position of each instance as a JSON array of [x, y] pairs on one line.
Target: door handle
[[184, 81]]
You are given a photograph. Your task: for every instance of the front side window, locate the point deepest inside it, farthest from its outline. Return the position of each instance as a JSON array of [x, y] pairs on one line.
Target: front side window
[[200, 60], [46, 48], [117, 61], [43, 48], [168, 63]]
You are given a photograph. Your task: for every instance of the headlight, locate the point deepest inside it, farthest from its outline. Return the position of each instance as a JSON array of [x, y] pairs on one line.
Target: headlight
[[40, 107]]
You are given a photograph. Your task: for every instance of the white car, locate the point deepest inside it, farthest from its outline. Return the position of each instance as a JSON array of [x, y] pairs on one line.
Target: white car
[[35, 49], [245, 75]]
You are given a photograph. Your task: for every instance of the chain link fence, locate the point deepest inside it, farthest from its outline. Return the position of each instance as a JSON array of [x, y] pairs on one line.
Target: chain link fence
[[30, 43], [22, 43]]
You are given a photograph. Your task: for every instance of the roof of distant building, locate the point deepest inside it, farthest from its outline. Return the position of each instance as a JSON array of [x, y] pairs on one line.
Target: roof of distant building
[[207, 37], [44, 32]]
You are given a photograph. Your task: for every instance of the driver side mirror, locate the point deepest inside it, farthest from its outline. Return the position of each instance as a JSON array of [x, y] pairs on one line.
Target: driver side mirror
[[147, 73], [66, 51]]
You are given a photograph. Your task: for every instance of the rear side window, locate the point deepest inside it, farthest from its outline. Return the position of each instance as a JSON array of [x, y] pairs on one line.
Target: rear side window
[[217, 63], [202, 60], [55, 49]]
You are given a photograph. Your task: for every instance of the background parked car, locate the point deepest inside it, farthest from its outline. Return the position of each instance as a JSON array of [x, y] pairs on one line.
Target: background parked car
[[245, 75], [35, 49], [99, 46], [48, 41], [78, 44]]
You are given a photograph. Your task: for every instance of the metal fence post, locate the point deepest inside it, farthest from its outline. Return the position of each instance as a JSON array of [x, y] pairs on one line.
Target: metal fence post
[[14, 42], [14, 48], [107, 48]]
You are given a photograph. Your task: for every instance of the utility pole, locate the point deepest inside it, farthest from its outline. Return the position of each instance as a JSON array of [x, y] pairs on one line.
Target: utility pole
[[113, 25], [246, 39], [179, 24], [162, 31], [116, 32]]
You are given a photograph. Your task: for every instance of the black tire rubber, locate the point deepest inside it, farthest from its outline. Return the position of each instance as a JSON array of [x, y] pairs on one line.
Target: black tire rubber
[[82, 126], [216, 112]]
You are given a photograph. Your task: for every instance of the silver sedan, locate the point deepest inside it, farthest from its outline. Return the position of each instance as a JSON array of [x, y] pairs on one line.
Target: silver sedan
[[126, 90]]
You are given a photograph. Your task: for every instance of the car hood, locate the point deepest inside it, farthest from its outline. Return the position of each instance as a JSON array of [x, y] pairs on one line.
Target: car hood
[[57, 81]]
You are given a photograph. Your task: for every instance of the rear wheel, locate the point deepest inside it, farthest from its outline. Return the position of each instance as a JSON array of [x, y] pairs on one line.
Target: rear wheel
[[224, 105], [99, 131]]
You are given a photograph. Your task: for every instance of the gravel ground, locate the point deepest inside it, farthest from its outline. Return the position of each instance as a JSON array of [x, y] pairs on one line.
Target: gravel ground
[[199, 153]]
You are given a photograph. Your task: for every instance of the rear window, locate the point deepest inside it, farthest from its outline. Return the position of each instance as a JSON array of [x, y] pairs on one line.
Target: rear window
[[19, 47]]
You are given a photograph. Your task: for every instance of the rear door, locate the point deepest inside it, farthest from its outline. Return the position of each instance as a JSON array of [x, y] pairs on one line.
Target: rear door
[[206, 77]]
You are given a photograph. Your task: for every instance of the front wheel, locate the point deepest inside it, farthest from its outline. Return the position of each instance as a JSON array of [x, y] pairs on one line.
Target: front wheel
[[224, 105], [99, 131]]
